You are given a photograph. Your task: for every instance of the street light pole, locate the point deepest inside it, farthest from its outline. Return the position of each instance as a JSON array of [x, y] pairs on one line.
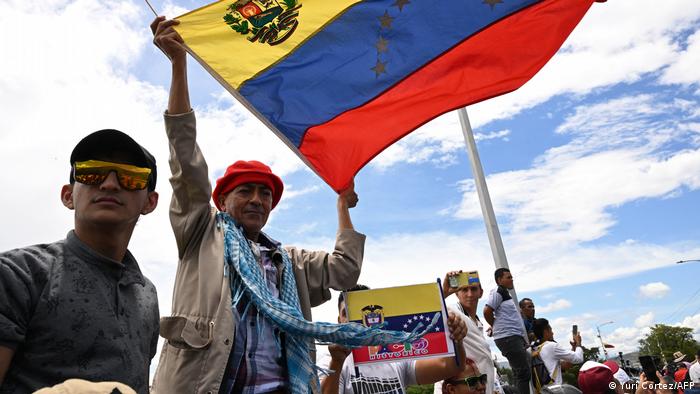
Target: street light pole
[[605, 351]]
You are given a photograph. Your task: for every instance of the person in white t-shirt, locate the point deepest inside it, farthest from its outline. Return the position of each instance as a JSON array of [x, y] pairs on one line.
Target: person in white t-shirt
[[694, 370], [508, 330], [553, 353], [392, 377]]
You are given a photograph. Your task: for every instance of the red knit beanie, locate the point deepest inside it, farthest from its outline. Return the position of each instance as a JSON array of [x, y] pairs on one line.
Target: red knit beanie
[[242, 172]]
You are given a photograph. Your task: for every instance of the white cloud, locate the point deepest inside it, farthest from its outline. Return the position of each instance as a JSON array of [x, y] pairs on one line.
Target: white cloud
[[555, 306], [64, 75], [692, 322], [171, 10], [436, 142], [291, 192], [564, 197], [644, 320], [420, 261], [654, 290], [684, 69], [625, 339], [492, 135]]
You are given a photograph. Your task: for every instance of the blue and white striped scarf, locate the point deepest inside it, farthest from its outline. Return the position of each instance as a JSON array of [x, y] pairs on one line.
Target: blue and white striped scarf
[[285, 313]]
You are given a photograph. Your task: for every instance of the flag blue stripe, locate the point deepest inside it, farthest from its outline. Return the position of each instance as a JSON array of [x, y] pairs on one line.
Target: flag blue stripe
[[396, 323]]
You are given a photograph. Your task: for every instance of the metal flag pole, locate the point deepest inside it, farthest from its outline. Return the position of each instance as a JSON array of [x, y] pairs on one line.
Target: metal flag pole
[[151, 7], [499, 254]]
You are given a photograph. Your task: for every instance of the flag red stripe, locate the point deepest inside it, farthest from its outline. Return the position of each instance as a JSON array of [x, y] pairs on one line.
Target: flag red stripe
[[497, 60], [437, 344]]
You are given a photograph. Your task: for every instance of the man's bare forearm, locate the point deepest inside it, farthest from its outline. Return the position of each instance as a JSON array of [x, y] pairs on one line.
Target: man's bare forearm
[[179, 101], [331, 383], [488, 315]]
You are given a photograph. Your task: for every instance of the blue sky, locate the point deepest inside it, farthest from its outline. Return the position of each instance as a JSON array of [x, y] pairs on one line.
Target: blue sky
[[593, 166]]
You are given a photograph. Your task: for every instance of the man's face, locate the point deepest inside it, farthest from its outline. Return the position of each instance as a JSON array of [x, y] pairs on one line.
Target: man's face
[[107, 203], [250, 205], [469, 296], [506, 280], [528, 309], [471, 370], [548, 334]]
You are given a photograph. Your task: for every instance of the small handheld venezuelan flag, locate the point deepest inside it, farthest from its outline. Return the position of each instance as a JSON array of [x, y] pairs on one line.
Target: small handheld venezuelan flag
[[404, 308], [340, 80]]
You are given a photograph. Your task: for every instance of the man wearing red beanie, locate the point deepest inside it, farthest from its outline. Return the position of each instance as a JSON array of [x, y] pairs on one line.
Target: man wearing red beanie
[[241, 302]]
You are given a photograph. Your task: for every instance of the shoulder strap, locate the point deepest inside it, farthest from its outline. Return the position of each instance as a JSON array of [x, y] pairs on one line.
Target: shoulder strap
[[553, 376]]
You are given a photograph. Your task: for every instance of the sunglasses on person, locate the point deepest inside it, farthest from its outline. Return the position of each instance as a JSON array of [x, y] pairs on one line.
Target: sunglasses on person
[[94, 172], [471, 381]]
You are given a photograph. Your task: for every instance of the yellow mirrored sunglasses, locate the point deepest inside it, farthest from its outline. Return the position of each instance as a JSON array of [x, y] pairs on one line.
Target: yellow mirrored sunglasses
[[94, 172]]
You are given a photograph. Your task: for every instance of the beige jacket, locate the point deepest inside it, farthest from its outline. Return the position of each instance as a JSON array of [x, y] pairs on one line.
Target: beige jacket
[[200, 333]]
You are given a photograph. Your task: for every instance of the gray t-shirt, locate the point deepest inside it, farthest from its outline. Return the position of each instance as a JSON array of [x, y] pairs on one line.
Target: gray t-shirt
[[507, 319], [69, 312]]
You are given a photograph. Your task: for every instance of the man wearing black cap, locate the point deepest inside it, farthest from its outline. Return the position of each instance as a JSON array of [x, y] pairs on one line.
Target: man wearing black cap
[[80, 307]]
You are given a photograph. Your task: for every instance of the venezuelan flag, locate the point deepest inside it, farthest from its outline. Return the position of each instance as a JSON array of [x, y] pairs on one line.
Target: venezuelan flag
[[340, 80], [403, 308]]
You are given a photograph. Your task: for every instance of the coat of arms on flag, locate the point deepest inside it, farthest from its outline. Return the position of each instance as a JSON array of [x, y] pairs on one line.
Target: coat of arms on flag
[[264, 21]]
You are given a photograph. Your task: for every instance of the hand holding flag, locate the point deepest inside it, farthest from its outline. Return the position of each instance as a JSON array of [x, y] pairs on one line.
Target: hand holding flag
[[348, 198], [167, 39], [458, 329]]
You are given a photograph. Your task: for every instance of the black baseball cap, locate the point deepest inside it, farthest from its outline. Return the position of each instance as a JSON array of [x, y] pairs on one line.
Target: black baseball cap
[[114, 145]]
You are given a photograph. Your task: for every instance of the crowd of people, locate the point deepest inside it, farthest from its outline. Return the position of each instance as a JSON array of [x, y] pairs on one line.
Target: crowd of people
[[79, 315]]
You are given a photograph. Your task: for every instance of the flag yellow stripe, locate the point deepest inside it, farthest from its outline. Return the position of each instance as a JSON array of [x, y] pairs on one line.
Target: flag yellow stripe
[[235, 58], [396, 301]]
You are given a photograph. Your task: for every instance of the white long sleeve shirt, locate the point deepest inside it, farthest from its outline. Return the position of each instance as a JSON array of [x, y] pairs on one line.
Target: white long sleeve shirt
[[553, 354]]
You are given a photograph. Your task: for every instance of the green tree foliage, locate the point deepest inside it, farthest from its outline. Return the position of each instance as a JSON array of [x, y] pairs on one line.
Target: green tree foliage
[[506, 375], [570, 376], [422, 389], [664, 340]]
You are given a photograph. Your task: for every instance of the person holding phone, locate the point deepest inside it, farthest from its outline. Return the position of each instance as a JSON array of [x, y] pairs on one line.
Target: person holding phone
[[553, 353], [657, 384], [650, 368]]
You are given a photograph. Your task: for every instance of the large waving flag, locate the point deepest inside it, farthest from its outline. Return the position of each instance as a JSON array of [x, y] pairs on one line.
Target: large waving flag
[[340, 80], [403, 308]]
